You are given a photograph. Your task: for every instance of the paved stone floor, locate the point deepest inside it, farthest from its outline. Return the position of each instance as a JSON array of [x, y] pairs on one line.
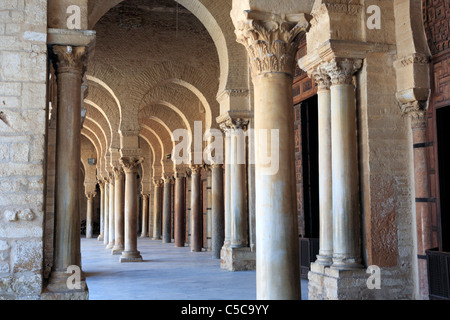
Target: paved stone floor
[[167, 273]]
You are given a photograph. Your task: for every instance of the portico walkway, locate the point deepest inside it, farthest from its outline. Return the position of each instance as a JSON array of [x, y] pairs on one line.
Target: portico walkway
[[167, 273]]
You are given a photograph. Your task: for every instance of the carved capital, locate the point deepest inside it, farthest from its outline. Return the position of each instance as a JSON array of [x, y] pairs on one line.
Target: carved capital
[[158, 182], [90, 195], [216, 166], [341, 70], [131, 164], [101, 184], [70, 59], [271, 40], [321, 78], [196, 169], [118, 173]]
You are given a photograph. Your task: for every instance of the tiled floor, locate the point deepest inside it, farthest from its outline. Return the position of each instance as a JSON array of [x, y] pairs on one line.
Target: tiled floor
[[167, 273]]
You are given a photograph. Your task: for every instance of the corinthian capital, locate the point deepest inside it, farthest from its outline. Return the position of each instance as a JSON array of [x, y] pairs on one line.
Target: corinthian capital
[[271, 40], [118, 172], [70, 59], [341, 70], [131, 164]]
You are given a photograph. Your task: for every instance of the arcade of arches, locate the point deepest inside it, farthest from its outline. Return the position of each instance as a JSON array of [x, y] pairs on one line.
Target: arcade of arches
[[96, 97]]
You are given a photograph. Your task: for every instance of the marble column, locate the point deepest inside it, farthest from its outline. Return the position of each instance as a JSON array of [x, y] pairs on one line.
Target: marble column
[[157, 214], [218, 217], [180, 209], [166, 214], [238, 194], [345, 178], [70, 67], [145, 215], [196, 210], [111, 222], [272, 46], [101, 185], [119, 210], [323, 82], [227, 191], [90, 214], [131, 167], [106, 215]]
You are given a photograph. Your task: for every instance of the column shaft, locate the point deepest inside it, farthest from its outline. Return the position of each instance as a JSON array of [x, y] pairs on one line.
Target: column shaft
[[166, 232], [180, 211], [119, 211], [106, 215], [196, 211], [325, 174], [238, 194], [277, 264], [227, 199], [131, 254], [157, 211], [346, 248], [90, 216], [102, 210], [111, 236], [144, 231], [218, 218], [67, 243]]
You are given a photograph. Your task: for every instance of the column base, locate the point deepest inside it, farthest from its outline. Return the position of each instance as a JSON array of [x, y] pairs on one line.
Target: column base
[[143, 236], [324, 260], [131, 256], [346, 263], [57, 288], [237, 259], [116, 250], [327, 283], [156, 238], [100, 238], [109, 246]]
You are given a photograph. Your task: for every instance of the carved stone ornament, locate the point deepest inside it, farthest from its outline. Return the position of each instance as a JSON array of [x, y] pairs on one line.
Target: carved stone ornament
[[118, 173], [158, 182], [70, 59], [341, 70], [271, 40], [131, 164], [196, 169], [321, 78], [90, 195]]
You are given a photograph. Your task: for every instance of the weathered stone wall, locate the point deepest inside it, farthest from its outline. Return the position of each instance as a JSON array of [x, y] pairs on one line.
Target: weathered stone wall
[[23, 73]]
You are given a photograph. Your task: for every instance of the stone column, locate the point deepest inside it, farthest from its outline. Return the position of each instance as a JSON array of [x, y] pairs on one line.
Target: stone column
[[271, 44], [101, 184], [227, 200], [119, 208], [238, 194], [180, 209], [218, 217], [325, 174], [417, 112], [130, 166], [90, 214], [346, 221], [145, 215], [111, 236], [106, 215], [166, 219], [157, 209], [196, 210], [70, 67]]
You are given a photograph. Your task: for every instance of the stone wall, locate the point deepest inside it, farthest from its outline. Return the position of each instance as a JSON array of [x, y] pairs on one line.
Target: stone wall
[[23, 73]]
